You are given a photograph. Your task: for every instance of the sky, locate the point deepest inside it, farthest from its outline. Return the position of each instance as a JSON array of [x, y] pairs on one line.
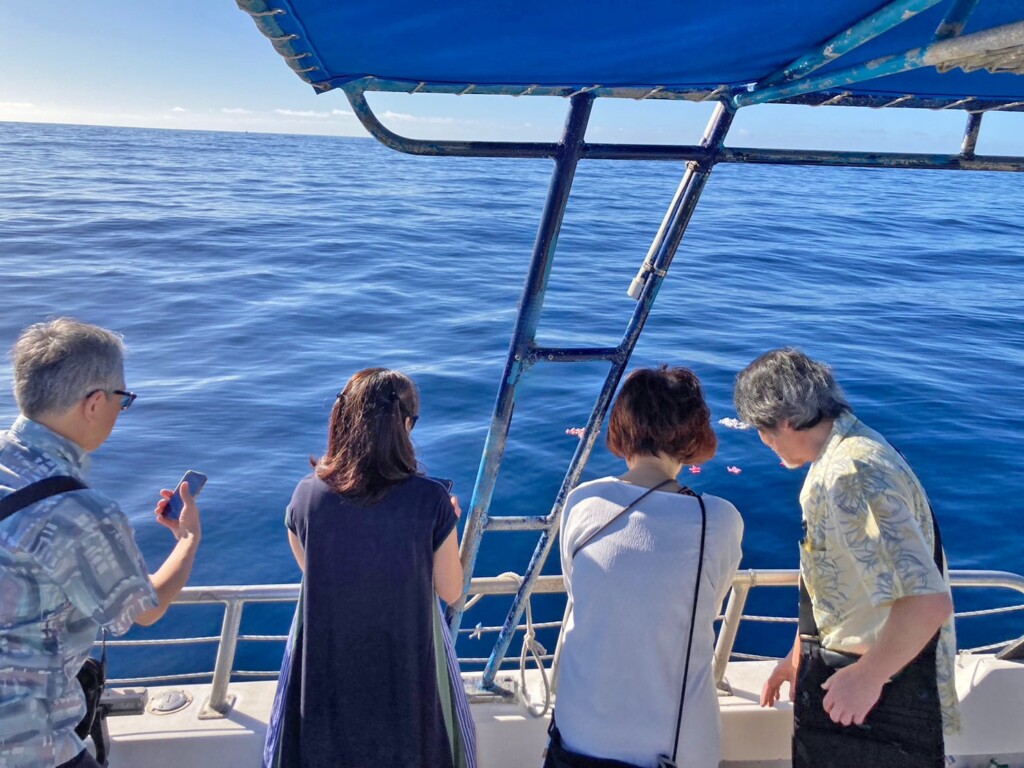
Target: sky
[[203, 65]]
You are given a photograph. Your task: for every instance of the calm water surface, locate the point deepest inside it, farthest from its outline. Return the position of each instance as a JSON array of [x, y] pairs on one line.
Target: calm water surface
[[252, 274]]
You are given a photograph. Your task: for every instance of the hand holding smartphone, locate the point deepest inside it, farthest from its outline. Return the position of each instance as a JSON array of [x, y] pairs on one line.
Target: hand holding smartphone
[[196, 481]]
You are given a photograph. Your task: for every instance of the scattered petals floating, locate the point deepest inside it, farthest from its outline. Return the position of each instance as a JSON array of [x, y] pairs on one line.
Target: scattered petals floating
[[734, 423]]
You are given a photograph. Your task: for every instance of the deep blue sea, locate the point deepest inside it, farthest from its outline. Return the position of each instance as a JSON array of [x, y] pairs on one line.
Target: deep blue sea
[[252, 274]]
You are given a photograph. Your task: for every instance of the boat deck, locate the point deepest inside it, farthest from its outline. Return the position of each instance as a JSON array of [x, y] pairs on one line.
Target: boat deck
[[510, 737]]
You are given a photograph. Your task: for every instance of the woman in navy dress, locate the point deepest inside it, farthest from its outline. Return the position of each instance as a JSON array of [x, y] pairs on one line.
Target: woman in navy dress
[[376, 540]]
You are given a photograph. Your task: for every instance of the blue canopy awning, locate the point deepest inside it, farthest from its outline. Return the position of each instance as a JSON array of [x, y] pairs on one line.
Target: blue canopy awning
[[652, 48]]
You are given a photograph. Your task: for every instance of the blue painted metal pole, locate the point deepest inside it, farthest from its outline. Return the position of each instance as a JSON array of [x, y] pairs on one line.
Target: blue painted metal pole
[[523, 335], [971, 135], [878, 23], [935, 54], [956, 17], [693, 184]]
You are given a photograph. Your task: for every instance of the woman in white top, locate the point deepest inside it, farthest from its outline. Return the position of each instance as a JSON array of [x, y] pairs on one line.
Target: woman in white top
[[630, 563]]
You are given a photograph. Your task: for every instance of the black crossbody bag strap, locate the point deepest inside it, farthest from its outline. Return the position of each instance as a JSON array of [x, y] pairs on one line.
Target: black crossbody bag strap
[[616, 516], [37, 491], [693, 616]]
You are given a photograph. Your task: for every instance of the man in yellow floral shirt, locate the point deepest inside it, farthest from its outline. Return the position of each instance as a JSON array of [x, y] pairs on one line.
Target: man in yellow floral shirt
[[872, 671]]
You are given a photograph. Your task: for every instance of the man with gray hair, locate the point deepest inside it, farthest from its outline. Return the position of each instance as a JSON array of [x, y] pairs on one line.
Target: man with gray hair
[[69, 564], [871, 673]]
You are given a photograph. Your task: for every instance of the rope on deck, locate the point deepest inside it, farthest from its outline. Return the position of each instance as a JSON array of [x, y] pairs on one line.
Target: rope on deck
[[531, 647]]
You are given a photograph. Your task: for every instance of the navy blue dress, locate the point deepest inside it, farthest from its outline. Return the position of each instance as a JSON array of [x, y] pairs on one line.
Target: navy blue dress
[[368, 693]]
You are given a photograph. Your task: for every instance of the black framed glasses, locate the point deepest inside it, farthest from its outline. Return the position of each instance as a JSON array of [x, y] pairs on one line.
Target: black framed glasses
[[127, 398]]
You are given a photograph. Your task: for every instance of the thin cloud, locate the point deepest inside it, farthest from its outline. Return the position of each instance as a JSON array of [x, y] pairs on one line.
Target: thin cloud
[[342, 113], [16, 105], [178, 109], [235, 111], [301, 113], [404, 117]]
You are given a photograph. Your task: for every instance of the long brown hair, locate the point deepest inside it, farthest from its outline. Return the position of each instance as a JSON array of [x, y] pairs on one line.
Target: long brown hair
[[369, 449]]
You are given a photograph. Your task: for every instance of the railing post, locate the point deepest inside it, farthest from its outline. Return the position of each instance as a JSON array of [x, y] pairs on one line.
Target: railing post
[[730, 626], [220, 701]]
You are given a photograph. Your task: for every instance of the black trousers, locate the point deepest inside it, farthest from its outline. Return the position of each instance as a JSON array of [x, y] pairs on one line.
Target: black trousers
[[904, 730], [82, 760]]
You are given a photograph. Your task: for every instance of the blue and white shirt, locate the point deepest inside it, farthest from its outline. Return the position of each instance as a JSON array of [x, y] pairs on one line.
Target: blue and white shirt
[[68, 566]]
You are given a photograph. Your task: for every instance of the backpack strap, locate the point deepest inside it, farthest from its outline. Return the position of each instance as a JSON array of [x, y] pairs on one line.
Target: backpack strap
[[36, 492]]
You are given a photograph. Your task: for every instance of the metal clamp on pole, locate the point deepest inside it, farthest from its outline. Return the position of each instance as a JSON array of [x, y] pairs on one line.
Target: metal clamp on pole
[[637, 286]]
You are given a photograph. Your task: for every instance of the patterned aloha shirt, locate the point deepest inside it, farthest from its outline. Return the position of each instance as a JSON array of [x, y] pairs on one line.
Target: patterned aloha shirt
[[68, 566], [870, 541]]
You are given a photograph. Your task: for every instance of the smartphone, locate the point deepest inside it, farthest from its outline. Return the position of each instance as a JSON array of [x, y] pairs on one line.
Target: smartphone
[[448, 483], [196, 481]]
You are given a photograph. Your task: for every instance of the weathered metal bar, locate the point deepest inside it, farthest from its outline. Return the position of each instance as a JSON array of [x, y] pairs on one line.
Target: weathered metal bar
[[971, 136], [934, 54], [672, 153], [880, 22], [524, 333], [956, 17], [870, 159], [219, 702], [695, 179], [570, 355], [517, 523], [730, 626], [365, 114]]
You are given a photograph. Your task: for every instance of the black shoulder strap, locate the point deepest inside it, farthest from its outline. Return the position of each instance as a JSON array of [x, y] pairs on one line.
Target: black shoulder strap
[[617, 515], [693, 614], [37, 491]]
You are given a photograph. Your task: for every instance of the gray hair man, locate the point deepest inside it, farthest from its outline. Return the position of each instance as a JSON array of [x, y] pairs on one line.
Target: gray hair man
[[68, 562], [871, 672]]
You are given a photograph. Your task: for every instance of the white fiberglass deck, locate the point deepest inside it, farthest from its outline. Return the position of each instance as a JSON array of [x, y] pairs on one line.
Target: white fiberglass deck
[[509, 736]]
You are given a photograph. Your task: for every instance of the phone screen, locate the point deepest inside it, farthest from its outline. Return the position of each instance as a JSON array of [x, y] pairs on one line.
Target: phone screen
[[196, 481]]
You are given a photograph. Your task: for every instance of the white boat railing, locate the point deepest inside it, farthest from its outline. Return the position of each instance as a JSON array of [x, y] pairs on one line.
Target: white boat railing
[[235, 598]]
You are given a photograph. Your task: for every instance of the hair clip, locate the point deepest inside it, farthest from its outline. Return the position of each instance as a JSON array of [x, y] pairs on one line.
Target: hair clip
[[341, 396]]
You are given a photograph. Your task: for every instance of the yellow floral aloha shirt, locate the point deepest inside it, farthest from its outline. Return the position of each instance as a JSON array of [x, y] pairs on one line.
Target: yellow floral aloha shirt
[[870, 541]]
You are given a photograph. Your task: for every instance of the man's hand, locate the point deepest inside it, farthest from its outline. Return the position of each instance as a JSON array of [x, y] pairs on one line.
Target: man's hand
[[852, 692], [458, 509], [784, 672], [187, 525]]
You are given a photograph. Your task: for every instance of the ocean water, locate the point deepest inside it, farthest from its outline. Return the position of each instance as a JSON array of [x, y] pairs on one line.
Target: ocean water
[[252, 274]]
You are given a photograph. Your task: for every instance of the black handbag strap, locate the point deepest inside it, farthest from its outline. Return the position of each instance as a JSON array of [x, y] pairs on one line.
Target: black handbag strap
[[36, 492], [693, 615], [617, 515]]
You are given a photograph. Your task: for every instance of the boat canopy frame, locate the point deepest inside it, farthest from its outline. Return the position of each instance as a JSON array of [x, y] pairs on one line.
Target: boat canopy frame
[[811, 79]]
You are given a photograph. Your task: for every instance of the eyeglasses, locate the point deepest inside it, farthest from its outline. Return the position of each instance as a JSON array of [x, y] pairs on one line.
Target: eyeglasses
[[127, 398]]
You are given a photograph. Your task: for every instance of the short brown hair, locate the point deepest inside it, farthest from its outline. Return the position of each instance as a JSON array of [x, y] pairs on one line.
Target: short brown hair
[[662, 410], [369, 449]]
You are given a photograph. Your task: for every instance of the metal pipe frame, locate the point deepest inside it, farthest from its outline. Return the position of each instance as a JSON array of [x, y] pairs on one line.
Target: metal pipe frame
[[932, 55], [970, 141], [523, 335], [956, 18], [878, 23], [687, 153], [235, 598], [682, 210]]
